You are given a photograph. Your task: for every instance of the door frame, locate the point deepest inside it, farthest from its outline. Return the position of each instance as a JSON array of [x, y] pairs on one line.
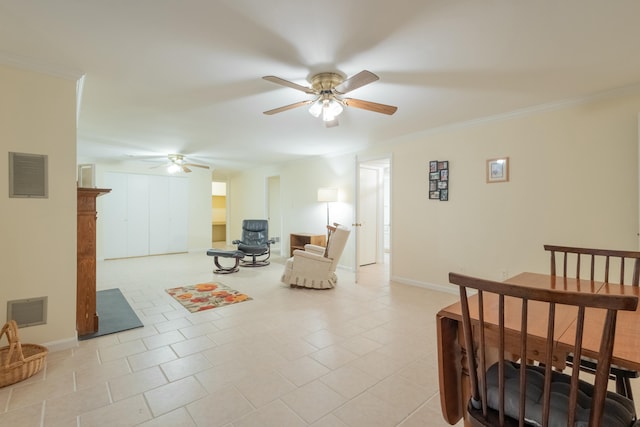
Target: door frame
[[270, 200], [381, 161]]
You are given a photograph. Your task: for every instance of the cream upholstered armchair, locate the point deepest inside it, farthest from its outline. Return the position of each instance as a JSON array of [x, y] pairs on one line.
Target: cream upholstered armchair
[[314, 267]]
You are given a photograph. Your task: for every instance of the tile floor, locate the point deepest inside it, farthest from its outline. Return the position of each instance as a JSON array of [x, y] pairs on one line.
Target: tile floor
[[358, 355]]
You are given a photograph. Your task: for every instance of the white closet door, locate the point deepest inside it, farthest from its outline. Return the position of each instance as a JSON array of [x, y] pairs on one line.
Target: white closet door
[[178, 229], [114, 216], [145, 215], [159, 202], [138, 215]]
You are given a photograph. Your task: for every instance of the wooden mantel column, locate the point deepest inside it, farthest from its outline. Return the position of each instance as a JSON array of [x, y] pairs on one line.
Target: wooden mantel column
[[86, 315]]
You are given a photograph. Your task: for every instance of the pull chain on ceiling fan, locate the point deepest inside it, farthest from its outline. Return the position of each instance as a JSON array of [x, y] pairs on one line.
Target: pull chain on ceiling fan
[[328, 90]]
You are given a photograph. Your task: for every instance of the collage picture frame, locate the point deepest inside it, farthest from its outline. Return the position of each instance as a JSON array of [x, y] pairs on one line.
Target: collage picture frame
[[439, 180]]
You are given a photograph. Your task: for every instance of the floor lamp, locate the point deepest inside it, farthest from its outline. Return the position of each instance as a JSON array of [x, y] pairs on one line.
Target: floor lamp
[[327, 195]]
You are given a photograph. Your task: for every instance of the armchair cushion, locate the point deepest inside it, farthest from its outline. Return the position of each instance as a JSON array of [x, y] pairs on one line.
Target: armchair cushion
[[319, 250], [314, 267]]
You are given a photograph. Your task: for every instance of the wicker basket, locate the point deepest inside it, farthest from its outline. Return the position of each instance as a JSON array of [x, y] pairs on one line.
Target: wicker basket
[[18, 361]]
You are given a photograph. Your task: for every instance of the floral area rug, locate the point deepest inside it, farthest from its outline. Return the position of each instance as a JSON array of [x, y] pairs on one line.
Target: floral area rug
[[205, 296]]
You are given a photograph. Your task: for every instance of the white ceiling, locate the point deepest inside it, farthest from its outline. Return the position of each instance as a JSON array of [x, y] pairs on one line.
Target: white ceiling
[[166, 76]]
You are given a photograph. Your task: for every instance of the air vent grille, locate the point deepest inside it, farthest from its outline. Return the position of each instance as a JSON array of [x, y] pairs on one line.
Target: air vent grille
[[28, 175], [28, 312]]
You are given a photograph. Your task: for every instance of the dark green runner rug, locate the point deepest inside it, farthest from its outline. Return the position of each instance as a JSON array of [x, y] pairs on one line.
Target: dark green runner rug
[[114, 314]]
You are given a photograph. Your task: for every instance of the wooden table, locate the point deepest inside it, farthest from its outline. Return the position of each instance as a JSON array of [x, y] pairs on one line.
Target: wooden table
[[298, 240], [453, 379]]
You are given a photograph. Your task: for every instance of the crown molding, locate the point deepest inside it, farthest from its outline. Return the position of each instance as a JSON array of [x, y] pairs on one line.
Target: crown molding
[[527, 111], [31, 64]]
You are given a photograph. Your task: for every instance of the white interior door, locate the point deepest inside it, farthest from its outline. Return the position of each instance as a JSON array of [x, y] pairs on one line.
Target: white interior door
[[368, 220]]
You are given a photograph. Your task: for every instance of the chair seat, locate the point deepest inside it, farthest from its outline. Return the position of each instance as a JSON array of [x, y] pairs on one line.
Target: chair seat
[[618, 410], [249, 249], [590, 365]]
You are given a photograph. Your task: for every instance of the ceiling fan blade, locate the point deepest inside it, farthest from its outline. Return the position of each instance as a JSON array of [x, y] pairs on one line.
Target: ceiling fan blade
[[331, 123], [354, 82], [371, 106], [283, 82], [185, 169], [288, 107], [161, 166], [193, 165]]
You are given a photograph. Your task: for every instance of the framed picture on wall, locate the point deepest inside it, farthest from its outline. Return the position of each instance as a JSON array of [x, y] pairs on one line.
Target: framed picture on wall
[[498, 170], [439, 180]]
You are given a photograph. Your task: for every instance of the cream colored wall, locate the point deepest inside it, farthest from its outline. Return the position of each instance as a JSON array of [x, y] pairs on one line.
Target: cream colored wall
[[573, 181], [246, 198], [38, 243], [301, 213]]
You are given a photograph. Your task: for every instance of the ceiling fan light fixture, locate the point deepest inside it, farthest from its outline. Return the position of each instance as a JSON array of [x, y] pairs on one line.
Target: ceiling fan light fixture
[[331, 109], [174, 168], [328, 89], [316, 108]]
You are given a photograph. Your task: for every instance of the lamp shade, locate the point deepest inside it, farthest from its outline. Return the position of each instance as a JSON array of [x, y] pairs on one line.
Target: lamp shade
[[327, 107], [327, 194], [316, 108], [330, 110]]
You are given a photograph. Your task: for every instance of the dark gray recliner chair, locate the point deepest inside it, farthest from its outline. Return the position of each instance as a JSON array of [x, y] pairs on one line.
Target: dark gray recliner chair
[[255, 243]]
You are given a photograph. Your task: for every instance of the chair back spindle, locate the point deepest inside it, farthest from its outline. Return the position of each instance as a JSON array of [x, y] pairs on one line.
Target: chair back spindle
[[494, 304], [602, 268], [609, 257]]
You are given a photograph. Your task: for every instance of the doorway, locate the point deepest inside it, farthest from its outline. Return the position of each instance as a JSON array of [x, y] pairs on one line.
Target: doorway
[[274, 215], [218, 214], [373, 213]]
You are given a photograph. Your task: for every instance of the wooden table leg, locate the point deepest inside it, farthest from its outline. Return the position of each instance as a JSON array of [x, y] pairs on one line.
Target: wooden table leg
[[449, 366]]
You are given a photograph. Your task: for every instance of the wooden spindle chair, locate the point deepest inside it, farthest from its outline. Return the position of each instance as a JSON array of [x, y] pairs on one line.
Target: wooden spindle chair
[[496, 399], [602, 266]]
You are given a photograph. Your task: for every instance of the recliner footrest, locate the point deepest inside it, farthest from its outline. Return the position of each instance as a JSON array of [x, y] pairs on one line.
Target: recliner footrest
[[221, 253]]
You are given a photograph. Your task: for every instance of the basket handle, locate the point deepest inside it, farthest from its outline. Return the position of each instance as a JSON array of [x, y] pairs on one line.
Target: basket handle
[[10, 329]]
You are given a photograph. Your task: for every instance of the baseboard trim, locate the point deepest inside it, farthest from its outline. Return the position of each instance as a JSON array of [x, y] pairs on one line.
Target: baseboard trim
[[431, 286], [63, 344]]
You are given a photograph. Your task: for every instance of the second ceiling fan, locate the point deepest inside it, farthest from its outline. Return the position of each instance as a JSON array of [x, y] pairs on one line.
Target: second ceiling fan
[[328, 90], [179, 163]]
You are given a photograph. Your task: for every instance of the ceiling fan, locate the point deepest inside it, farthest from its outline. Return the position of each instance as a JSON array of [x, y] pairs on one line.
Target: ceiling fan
[[178, 162], [328, 90]]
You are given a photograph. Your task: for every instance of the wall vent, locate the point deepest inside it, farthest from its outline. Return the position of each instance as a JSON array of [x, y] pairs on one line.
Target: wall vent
[[28, 312], [28, 175]]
